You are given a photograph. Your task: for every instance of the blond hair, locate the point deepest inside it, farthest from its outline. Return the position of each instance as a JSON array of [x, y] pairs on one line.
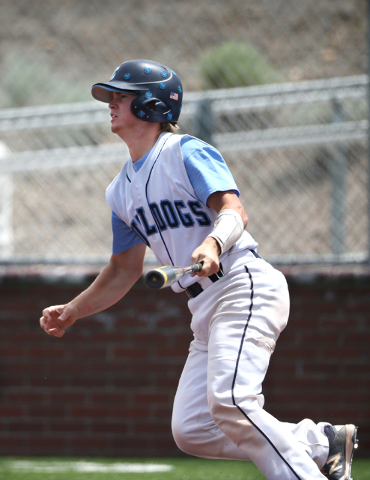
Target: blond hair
[[170, 127]]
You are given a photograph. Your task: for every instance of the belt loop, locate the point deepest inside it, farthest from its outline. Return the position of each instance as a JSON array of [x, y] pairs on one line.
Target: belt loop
[[196, 288], [215, 276]]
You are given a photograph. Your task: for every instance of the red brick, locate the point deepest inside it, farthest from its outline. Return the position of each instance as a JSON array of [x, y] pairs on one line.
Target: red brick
[[301, 352], [89, 412], [162, 411], [87, 381], [12, 352], [10, 411], [149, 338], [150, 428], [46, 411], [109, 428], [150, 398], [113, 397], [338, 353], [24, 397], [25, 426], [132, 382], [137, 352], [11, 442], [358, 338], [130, 412], [49, 442], [88, 352], [165, 382], [56, 398], [22, 367], [10, 381], [51, 352], [45, 381], [360, 369], [67, 426], [171, 352], [88, 442], [104, 338]]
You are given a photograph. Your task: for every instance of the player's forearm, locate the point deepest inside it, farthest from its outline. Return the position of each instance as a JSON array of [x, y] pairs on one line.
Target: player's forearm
[[108, 288], [111, 285]]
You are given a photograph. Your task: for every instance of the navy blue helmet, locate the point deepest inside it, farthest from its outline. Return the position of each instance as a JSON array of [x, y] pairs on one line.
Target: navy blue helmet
[[158, 90]]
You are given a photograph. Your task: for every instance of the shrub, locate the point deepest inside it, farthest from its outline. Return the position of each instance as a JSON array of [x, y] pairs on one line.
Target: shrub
[[235, 64]]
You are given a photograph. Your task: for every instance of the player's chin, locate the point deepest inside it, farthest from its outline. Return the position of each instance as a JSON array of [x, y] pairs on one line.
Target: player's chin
[[114, 126]]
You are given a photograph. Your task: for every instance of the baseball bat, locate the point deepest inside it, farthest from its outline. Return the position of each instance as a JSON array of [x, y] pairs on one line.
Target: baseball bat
[[166, 276]]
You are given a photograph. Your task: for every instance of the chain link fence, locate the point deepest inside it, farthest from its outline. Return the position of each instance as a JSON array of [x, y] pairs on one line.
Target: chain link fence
[[277, 86]]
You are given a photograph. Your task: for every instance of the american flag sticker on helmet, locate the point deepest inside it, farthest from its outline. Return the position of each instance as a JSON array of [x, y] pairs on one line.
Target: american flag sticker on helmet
[[174, 96]]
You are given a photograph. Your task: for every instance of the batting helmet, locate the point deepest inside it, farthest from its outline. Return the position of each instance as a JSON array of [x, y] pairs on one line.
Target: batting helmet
[[158, 90]]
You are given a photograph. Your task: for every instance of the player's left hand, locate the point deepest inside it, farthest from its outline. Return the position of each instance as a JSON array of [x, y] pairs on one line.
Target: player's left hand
[[207, 253], [57, 318]]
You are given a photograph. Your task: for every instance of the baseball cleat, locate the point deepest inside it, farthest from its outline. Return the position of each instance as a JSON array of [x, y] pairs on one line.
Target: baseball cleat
[[342, 444]]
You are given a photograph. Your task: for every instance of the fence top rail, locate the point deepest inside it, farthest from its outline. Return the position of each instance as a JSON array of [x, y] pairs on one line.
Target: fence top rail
[[59, 158], [247, 97], [336, 83], [76, 157]]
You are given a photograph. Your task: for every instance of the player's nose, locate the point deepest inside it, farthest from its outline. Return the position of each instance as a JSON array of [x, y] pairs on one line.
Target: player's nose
[[113, 102]]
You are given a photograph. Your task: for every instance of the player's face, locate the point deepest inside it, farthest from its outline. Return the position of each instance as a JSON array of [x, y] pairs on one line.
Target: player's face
[[122, 117]]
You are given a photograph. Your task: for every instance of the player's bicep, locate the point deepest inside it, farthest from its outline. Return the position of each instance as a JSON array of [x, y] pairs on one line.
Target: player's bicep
[[130, 261]]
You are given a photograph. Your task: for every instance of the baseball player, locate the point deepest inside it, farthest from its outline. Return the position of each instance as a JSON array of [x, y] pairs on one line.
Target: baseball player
[[177, 196]]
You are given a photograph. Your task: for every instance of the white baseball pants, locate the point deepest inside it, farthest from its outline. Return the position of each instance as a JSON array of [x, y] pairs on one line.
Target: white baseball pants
[[218, 409]]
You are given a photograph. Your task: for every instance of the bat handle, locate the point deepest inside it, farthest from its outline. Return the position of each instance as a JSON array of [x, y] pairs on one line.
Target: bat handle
[[197, 267]]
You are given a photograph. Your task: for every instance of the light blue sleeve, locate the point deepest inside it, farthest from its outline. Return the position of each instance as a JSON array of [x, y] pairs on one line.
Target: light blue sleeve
[[206, 169], [123, 237]]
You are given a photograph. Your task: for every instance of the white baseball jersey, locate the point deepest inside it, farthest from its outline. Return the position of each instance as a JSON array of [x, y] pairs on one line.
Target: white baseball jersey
[[160, 205]]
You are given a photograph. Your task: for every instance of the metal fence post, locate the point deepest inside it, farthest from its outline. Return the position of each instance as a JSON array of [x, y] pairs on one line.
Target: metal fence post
[[204, 124], [338, 175], [6, 208]]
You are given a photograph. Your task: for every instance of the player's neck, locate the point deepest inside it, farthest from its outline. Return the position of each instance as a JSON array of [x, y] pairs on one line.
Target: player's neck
[[140, 141]]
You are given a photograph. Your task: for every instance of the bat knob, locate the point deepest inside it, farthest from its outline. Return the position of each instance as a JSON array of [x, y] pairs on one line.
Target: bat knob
[[155, 279]]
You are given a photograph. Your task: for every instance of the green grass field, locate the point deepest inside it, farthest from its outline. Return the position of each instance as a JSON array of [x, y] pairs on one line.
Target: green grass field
[[31, 468]]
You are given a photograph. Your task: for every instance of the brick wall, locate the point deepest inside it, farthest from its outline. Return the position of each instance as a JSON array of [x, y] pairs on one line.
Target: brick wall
[[107, 387]]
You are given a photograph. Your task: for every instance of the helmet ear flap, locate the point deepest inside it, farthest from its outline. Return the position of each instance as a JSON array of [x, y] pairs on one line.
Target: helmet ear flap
[[150, 109], [137, 107]]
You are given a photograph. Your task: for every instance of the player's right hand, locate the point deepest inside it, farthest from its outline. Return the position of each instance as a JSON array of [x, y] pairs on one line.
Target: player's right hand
[[207, 253], [56, 319]]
